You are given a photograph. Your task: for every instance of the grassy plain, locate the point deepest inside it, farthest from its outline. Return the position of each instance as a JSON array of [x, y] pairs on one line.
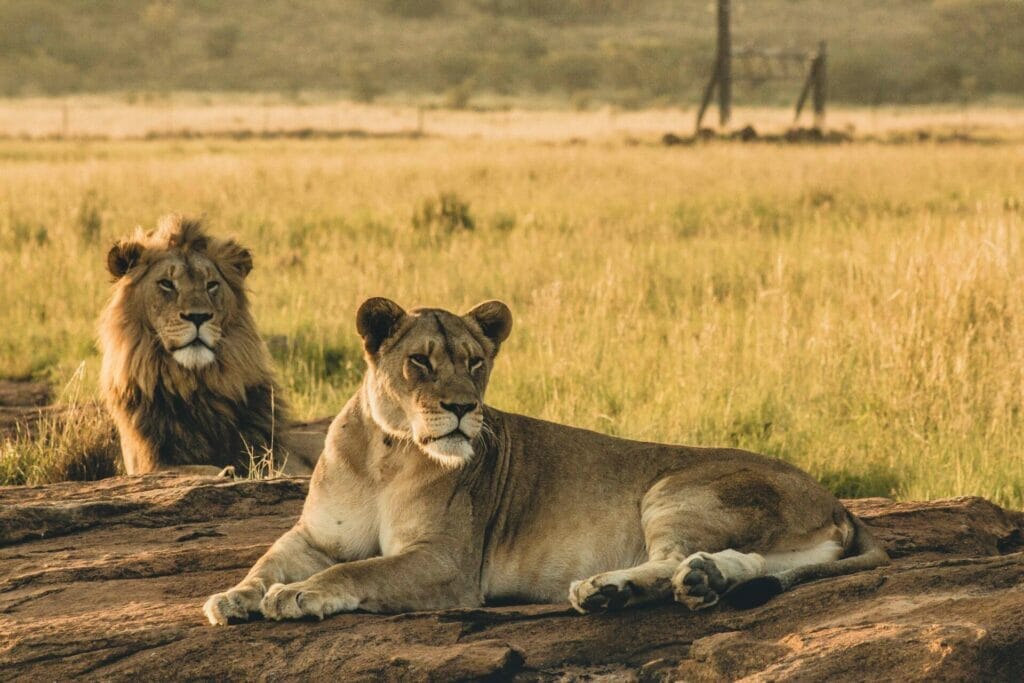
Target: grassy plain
[[854, 309]]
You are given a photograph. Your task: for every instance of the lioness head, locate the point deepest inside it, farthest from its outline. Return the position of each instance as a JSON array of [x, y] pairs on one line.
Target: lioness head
[[185, 288], [428, 371]]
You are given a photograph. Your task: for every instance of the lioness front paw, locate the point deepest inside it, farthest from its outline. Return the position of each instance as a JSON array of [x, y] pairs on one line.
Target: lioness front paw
[[221, 608], [698, 583], [600, 593], [298, 600]]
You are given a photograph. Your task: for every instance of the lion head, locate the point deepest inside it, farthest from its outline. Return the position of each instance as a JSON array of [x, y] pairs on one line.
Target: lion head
[[183, 363], [428, 371], [181, 289]]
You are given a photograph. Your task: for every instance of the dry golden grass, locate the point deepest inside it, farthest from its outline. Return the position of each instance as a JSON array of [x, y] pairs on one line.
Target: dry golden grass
[[854, 309], [108, 117]]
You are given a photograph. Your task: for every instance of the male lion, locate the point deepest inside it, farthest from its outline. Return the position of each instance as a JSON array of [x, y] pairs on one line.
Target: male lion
[[185, 374], [425, 498]]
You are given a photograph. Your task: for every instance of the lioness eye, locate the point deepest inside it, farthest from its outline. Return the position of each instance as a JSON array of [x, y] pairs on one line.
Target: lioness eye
[[212, 286], [166, 285], [475, 363], [420, 360]]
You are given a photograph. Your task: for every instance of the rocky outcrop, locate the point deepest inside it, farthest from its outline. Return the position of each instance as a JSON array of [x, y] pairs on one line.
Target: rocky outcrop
[[106, 579]]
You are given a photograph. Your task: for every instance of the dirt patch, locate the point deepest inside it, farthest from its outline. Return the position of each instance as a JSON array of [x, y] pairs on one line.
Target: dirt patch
[[24, 394], [22, 406], [106, 580]]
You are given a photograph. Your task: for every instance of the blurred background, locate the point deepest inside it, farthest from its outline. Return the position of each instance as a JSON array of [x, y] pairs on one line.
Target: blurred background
[[488, 52], [295, 64]]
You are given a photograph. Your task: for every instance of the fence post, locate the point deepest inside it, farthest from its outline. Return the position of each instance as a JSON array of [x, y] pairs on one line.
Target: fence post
[[724, 66], [708, 92], [820, 87], [65, 121]]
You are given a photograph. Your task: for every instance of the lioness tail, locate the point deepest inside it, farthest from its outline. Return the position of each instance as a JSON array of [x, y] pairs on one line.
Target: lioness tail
[[869, 554]]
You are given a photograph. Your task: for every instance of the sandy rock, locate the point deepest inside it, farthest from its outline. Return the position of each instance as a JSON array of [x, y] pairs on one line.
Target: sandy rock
[[106, 580]]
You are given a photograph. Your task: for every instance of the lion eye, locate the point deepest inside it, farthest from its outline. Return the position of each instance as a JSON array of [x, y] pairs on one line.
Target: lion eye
[[420, 360], [166, 285], [212, 286], [475, 363]]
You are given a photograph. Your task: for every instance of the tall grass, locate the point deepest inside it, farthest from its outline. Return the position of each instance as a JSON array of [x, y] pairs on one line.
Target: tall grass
[[78, 443], [856, 310]]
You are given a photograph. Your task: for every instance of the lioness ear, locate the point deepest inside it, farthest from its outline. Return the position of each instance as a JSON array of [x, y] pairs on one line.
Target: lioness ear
[[233, 254], [494, 319], [122, 257], [376, 320]]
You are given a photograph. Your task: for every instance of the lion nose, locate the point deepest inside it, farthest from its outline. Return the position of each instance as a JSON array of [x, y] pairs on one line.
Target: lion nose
[[459, 409], [196, 319]]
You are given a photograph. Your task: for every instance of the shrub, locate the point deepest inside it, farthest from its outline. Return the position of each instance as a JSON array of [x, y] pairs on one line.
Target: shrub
[[415, 9], [222, 41], [90, 218], [457, 97], [362, 85], [446, 213]]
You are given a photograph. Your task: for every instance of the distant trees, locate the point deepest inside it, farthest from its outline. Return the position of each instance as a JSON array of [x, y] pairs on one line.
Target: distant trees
[[591, 51]]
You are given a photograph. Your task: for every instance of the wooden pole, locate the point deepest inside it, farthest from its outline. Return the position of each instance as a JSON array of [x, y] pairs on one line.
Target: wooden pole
[[820, 87], [708, 92], [724, 64], [808, 84]]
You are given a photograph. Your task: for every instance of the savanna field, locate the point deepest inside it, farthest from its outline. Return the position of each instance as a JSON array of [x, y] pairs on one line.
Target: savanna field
[[855, 309]]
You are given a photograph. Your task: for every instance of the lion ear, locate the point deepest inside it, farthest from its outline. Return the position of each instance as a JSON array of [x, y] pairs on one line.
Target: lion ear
[[494, 319], [376, 320], [233, 254], [122, 257]]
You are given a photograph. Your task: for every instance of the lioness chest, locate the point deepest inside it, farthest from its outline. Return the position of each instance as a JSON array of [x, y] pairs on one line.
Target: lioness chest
[[367, 500]]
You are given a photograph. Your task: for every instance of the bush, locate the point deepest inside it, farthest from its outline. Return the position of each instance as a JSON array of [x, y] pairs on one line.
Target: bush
[[221, 42], [445, 213], [556, 10], [574, 71], [457, 97], [415, 9], [90, 218], [362, 85]]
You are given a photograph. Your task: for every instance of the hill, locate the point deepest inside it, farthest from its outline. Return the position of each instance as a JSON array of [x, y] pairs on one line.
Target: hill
[[458, 51]]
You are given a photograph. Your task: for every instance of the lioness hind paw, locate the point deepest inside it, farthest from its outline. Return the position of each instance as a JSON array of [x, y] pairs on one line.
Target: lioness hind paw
[[698, 583]]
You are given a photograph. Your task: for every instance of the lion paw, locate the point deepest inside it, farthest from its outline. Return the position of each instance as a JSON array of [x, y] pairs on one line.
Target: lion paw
[[222, 608], [698, 583], [298, 600], [600, 593]]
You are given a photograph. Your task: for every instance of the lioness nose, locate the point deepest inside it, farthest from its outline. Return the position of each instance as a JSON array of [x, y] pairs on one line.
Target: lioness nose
[[196, 319], [459, 409]]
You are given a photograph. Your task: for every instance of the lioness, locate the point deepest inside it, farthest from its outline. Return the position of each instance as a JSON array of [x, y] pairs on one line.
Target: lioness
[[185, 374], [425, 498]]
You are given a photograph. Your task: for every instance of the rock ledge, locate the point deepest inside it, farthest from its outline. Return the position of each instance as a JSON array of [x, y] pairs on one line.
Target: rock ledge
[[106, 579]]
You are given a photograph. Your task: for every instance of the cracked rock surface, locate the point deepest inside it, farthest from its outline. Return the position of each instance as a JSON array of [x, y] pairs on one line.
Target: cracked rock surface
[[106, 579]]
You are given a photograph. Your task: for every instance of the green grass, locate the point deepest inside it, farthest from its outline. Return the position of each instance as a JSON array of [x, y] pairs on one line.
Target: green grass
[[854, 309]]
